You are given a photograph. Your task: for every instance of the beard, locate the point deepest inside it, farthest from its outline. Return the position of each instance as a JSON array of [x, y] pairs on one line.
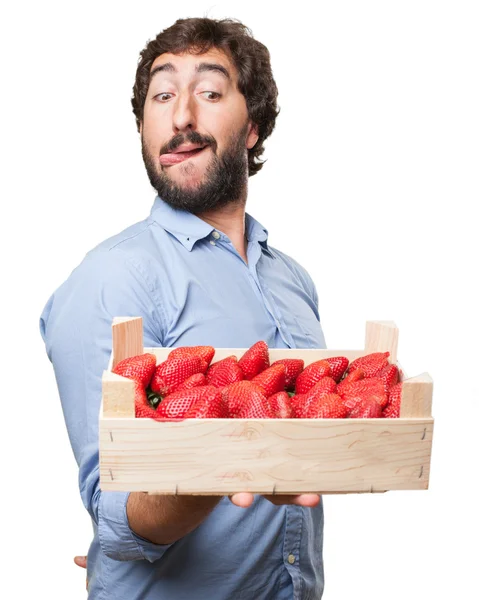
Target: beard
[[224, 182]]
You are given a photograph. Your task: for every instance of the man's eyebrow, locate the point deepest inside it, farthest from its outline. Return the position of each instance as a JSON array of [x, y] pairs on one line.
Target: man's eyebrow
[[201, 68]]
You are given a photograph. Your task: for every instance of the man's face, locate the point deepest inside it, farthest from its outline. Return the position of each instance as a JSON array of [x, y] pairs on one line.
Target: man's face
[[193, 100]]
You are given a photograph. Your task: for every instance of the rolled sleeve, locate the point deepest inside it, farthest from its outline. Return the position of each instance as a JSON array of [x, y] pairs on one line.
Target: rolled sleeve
[[117, 540]]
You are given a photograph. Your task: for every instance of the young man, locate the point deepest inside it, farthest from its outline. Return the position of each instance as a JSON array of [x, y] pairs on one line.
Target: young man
[[198, 270]]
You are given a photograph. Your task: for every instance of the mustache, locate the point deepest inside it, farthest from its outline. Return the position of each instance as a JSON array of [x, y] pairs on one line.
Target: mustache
[[193, 138]]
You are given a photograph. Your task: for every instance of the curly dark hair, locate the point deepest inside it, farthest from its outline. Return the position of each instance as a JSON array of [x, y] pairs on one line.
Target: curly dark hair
[[250, 57]]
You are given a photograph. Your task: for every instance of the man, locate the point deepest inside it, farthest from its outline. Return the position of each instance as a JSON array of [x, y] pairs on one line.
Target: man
[[198, 270]]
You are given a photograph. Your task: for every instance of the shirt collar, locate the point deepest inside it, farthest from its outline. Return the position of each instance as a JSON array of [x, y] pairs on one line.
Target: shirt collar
[[188, 228]]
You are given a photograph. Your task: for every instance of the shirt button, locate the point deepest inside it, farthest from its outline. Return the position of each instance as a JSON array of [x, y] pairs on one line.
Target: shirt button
[[216, 235], [212, 243], [291, 559]]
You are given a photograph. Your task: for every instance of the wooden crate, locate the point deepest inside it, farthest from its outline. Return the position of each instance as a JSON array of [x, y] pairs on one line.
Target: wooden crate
[[281, 456]]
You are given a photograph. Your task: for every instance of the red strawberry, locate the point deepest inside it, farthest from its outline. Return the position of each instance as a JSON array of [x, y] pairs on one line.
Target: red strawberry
[[311, 375], [356, 375], [297, 402], [224, 372], [193, 381], [271, 380], [369, 384], [390, 375], [205, 352], [371, 363], [171, 373], [281, 405], [330, 406], [143, 408], [177, 404], [338, 365], [256, 406], [366, 389], [325, 386], [140, 368], [208, 406], [254, 360], [238, 394], [366, 408], [392, 409], [294, 366]]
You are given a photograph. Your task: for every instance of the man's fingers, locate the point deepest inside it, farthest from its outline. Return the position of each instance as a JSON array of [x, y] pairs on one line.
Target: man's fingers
[[80, 561], [243, 499], [307, 500]]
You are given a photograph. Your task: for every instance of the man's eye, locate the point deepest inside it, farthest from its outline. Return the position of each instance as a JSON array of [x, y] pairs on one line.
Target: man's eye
[[217, 96], [159, 96]]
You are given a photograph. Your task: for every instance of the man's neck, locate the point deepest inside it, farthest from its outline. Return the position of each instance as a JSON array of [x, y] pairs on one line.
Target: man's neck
[[231, 221]]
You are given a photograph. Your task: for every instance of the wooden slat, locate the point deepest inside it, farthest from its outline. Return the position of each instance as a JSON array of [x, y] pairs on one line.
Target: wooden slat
[[382, 336], [416, 397], [222, 456], [118, 396], [127, 334], [308, 356]]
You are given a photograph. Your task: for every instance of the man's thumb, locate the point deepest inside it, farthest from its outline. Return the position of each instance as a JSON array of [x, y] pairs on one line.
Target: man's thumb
[[80, 561]]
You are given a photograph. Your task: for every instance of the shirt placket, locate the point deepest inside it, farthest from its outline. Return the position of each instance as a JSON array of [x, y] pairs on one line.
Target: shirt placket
[[268, 300], [291, 547]]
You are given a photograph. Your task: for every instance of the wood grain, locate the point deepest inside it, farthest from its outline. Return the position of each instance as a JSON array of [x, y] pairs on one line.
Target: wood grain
[[382, 336], [127, 338], [222, 456]]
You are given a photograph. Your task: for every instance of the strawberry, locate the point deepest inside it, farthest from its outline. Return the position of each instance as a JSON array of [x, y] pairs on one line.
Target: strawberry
[[366, 408], [193, 381], [178, 403], [143, 408], [170, 374], [365, 389], [256, 406], [224, 372], [311, 375], [281, 405], [356, 375], [294, 366], [368, 384], [325, 386], [254, 360], [205, 352], [271, 380], [238, 394], [140, 368], [392, 409], [371, 363], [329, 406], [338, 365], [390, 375], [297, 402], [209, 406]]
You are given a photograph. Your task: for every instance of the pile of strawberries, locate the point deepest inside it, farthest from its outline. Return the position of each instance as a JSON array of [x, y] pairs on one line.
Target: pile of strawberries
[[186, 385]]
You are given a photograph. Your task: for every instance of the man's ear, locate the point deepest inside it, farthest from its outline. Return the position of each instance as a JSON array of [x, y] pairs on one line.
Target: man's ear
[[141, 127], [253, 136]]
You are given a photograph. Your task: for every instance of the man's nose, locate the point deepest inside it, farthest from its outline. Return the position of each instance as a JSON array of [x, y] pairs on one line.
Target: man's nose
[[184, 113]]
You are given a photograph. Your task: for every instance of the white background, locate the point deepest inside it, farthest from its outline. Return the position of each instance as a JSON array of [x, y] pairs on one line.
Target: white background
[[371, 183]]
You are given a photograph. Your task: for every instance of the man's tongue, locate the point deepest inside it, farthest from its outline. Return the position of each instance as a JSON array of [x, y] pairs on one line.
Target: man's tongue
[[177, 157]]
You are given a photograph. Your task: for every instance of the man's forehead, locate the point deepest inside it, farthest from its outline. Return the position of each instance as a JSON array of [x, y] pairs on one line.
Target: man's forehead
[[188, 63]]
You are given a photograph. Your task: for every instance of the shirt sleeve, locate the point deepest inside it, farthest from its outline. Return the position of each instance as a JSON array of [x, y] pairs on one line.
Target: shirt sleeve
[[76, 328]]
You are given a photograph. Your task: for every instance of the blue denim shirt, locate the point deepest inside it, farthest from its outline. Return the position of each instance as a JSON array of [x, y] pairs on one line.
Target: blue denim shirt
[[190, 286]]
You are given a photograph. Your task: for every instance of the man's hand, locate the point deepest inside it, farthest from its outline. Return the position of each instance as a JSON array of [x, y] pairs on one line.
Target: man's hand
[[81, 562], [245, 499]]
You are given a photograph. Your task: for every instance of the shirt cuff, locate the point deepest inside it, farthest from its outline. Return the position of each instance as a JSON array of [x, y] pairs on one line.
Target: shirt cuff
[[117, 540]]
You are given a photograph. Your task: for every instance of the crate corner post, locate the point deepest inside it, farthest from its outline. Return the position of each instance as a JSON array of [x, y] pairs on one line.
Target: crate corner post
[[382, 336], [127, 338]]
